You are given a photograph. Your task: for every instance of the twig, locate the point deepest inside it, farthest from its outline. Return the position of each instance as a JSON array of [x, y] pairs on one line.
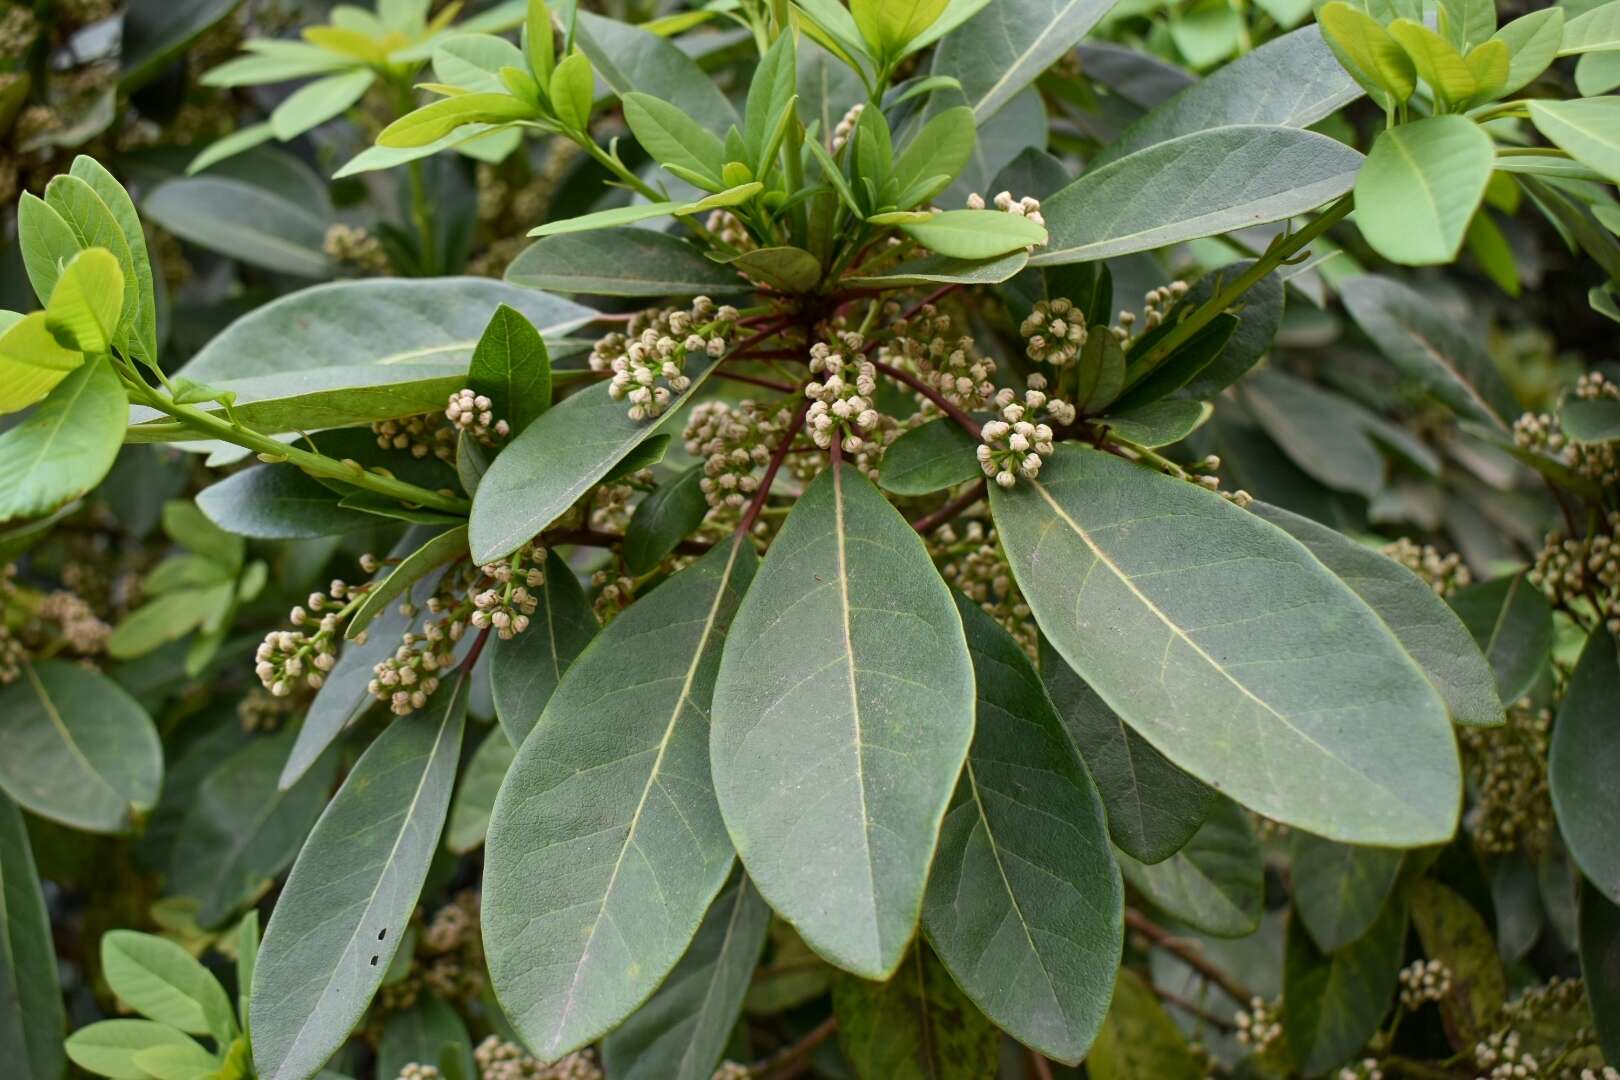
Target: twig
[[476, 650], [1194, 1009], [777, 1066], [1039, 1067], [777, 457], [970, 425], [753, 380], [931, 521], [1188, 953]]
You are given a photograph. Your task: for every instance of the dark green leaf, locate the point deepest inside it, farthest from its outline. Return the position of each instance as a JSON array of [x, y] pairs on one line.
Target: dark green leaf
[[789, 269], [247, 221], [446, 547], [420, 1033], [1600, 966], [278, 502], [663, 519], [1166, 421], [1511, 623], [1592, 420], [511, 367], [1003, 48], [631, 58], [1215, 882], [1259, 315], [935, 456], [1024, 902], [157, 31], [1324, 433], [1339, 889], [1584, 761], [621, 262], [606, 845], [524, 670], [1139, 1039], [32, 1023], [915, 1026], [1453, 933], [1183, 364], [1333, 1002], [475, 794], [846, 675]]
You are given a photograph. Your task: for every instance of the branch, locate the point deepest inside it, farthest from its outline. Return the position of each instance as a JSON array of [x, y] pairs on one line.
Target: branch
[[780, 1065], [931, 521], [1189, 953], [777, 457], [970, 425]]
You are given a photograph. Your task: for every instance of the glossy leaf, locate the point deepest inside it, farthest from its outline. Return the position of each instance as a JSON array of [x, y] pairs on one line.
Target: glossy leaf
[[85, 305], [525, 670], [1215, 882], [1290, 666], [1024, 902], [1437, 61], [142, 323], [349, 898], [32, 361], [1195, 185], [65, 446], [834, 773], [975, 234], [606, 846], [1421, 185], [77, 749], [32, 1024], [1581, 766], [1430, 631], [683, 1029], [621, 262], [95, 225], [560, 456], [1333, 1002], [1511, 623], [1339, 889], [1368, 53], [1453, 933], [930, 457], [915, 1026], [1153, 807]]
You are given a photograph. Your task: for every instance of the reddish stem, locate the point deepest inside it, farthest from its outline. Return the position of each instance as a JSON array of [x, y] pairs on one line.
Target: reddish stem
[[970, 425], [754, 380], [1188, 953], [777, 457], [929, 522], [473, 653]]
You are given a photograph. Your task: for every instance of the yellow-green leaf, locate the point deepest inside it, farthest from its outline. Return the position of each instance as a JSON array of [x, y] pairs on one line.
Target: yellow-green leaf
[[32, 361], [1490, 62], [87, 301], [572, 85], [439, 119], [1371, 56], [1437, 61]]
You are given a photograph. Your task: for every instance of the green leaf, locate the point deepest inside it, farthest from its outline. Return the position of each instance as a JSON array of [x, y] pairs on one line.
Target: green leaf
[[474, 61], [1490, 64], [682, 1030], [663, 519], [142, 325], [1339, 889], [1421, 185], [607, 219], [170, 617], [241, 829], [245, 221], [1453, 933], [1437, 61], [673, 138], [274, 60], [1290, 81], [475, 794], [349, 898], [630, 58], [162, 982], [65, 446], [538, 40], [1333, 1002], [915, 1026], [1593, 420], [572, 87], [1421, 621], [975, 234], [511, 367], [621, 262], [1162, 423], [47, 243], [95, 225], [435, 121], [278, 502], [238, 141], [1598, 30], [419, 1034], [1024, 845], [32, 361], [1511, 623], [108, 1047], [790, 269], [1532, 42], [314, 103], [1581, 766], [1430, 347], [155, 33], [84, 307], [939, 270], [1368, 52], [32, 1023], [1139, 1039], [1600, 965], [1185, 363], [606, 846], [771, 91], [940, 150], [1196, 185], [1005, 47], [1324, 433], [877, 725], [444, 548], [1215, 882], [1589, 128], [559, 457], [1291, 665], [525, 670], [928, 458], [1468, 22], [1153, 807]]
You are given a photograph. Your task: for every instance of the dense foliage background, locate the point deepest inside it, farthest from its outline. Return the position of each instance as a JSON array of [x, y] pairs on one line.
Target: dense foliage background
[[202, 671]]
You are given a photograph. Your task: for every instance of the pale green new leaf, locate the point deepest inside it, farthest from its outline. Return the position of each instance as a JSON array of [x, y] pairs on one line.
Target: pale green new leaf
[[313, 104], [75, 748], [1589, 128], [85, 305], [435, 121], [606, 845], [1598, 30], [1532, 42], [1266, 675], [143, 325], [1420, 187], [65, 446], [161, 981], [32, 361], [348, 901], [108, 1047], [1437, 61], [975, 234], [32, 1023], [95, 225], [1024, 903], [1368, 52], [845, 675], [673, 138], [47, 243], [940, 149]]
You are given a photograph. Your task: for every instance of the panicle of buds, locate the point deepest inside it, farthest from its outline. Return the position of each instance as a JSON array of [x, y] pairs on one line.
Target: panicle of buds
[[734, 441], [420, 435], [473, 413], [841, 396], [1445, 574], [287, 659], [506, 605], [1026, 207], [1259, 1025], [947, 362], [648, 360], [1054, 331], [1015, 444], [846, 126], [1423, 981]]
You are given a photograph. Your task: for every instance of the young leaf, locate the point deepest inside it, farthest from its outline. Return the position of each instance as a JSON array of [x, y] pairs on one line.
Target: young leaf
[[47, 243], [1333, 1002], [934, 157], [1437, 61], [525, 670], [1372, 57], [538, 40], [32, 361], [572, 87], [1339, 889], [542, 472], [84, 307], [1532, 42], [674, 139], [439, 119], [834, 772], [65, 446], [889, 26], [142, 338], [350, 895], [975, 234], [1420, 187], [1292, 666], [915, 1026], [314, 103], [95, 225], [1024, 845], [511, 367], [162, 982], [606, 846], [683, 1029], [108, 1047], [771, 91], [1215, 882], [1582, 762], [1153, 807], [1512, 624], [32, 1023]]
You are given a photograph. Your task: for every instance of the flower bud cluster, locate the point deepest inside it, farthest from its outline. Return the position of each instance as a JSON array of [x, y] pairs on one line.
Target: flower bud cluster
[[731, 1070], [846, 126], [1544, 1032], [1445, 574], [946, 362], [1507, 769], [610, 503], [261, 711], [654, 347], [728, 228], [421, 435], [505, 606], [500, 1060], [1365, 1069], [1568, 569], [971, 560], [1423, 981], [841, 395], [1027, 207], [734, 441], [1156, 305], [1544, 434], [1259, 1025], [1055, 331], [1014, 445], [357, 247], [289, 659], [473, 413], [417, 1071], [83, 632]]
